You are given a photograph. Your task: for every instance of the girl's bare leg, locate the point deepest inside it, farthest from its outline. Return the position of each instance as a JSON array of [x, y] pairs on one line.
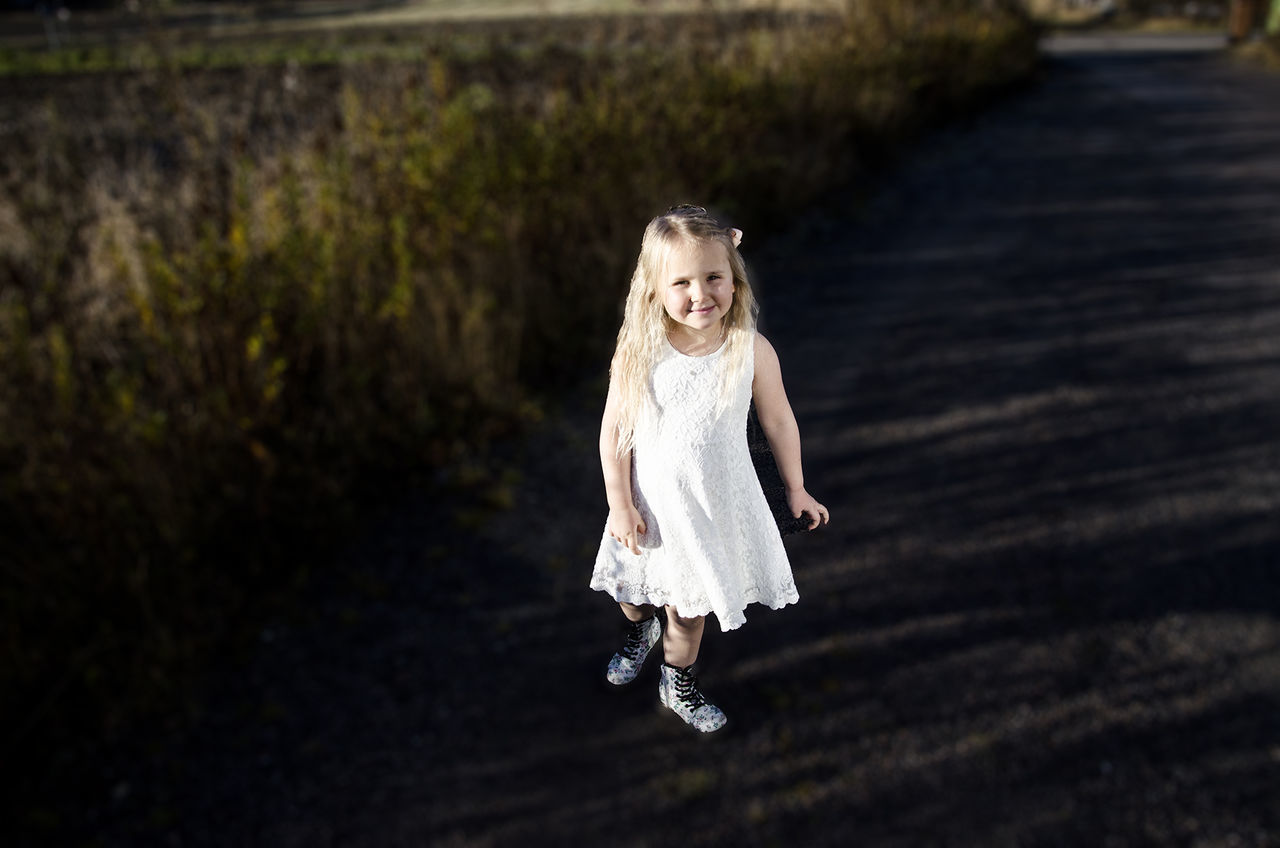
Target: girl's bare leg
[[681, 639], [635, 612]]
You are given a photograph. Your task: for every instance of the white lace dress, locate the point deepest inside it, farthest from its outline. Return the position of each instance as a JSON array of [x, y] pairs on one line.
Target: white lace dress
[[711, 544]]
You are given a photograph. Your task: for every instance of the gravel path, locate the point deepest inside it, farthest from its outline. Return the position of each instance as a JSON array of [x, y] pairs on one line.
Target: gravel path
[[1038, 379]]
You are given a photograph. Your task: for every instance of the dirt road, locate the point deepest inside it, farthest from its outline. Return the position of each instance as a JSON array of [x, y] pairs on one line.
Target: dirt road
[[1038, 379]]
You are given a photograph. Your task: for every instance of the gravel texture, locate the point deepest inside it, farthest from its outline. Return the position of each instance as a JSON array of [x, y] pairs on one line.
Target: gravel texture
[[1038, 380]]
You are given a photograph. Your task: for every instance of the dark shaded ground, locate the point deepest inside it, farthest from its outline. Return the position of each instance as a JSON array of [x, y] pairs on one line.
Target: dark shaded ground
[[1039, 383]]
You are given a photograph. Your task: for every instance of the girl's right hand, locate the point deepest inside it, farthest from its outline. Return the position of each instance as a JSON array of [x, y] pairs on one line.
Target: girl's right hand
[[627, 527]]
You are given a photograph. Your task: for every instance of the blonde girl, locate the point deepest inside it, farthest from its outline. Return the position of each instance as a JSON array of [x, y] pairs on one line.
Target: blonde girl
[[689, 529]]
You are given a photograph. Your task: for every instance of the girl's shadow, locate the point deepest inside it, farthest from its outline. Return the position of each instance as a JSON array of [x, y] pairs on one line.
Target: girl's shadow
[[770, 480]]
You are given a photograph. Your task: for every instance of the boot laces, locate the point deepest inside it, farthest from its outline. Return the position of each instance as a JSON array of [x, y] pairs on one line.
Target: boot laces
[[687, 693], [636, 640]]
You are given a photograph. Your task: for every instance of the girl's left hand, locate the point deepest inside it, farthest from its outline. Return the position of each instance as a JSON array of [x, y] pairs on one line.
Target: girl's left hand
[[801, 502]]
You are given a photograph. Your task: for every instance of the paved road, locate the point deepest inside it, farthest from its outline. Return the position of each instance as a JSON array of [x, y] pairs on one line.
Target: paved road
[[1119, 41], [1039, 382]]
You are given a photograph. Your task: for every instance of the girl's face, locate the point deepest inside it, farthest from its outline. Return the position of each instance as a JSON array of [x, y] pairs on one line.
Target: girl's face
[[697, 285]]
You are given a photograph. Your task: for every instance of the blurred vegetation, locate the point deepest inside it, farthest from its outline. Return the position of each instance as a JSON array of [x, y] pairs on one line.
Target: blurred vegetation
[[1263, 52], [1268, 53], [243, 293]]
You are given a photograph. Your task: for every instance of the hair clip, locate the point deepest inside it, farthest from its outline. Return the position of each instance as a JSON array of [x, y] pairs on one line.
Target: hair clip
[[736, 235]]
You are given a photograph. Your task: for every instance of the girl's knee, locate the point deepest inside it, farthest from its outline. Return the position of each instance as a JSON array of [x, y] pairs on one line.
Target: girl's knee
[[636, 612], [690, 623]]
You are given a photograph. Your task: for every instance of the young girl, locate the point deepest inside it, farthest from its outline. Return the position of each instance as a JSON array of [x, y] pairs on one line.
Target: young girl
[[689, 528]]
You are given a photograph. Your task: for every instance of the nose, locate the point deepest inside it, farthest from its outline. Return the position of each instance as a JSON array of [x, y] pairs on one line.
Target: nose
[[696, 290]]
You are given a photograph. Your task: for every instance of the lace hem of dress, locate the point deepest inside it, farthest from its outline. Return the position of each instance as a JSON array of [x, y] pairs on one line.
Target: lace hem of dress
[[782, 595]]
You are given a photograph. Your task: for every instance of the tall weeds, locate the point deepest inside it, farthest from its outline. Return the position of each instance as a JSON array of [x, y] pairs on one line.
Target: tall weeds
[[224, 316]]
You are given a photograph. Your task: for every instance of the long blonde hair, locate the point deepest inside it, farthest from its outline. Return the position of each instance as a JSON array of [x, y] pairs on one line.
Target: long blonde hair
[[642, 341]]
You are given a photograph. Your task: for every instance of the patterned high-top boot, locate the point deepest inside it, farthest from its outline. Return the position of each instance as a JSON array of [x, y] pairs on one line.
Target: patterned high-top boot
[[641, 637], [678, 691]]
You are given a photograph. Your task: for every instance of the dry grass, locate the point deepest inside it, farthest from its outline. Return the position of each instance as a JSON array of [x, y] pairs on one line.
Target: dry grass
[[223, 21], [1263, 54]]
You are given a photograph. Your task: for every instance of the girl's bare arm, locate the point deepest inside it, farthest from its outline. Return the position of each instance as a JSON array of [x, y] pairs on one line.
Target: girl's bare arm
[[780, 428], [625, 523]]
